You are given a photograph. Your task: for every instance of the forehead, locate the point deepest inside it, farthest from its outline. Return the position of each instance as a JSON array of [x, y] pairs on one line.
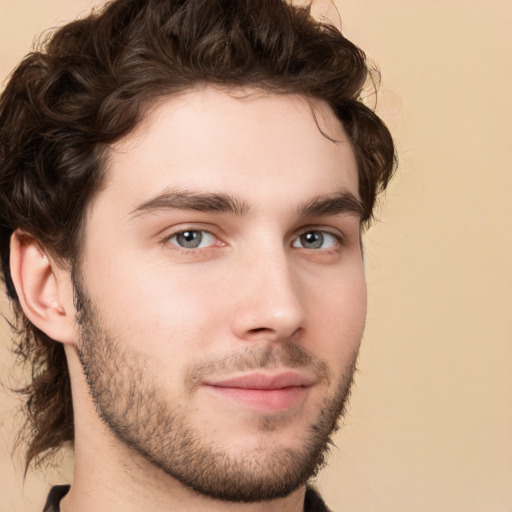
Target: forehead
[[246, 143]]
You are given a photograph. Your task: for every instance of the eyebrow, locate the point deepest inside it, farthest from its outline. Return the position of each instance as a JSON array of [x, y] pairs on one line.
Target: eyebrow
[[193, 201], [339, 203], [342, 202]]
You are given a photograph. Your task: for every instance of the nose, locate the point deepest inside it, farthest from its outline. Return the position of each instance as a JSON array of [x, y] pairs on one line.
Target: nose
[[268, 304]]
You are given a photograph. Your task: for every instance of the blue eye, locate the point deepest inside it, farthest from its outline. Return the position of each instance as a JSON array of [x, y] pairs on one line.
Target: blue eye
[[315, 240], [192, 239]]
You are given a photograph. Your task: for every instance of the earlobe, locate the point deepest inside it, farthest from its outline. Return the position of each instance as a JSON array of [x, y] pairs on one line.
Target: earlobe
[[44, 289]]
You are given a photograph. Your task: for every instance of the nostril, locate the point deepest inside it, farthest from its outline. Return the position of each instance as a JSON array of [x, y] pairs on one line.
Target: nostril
[[259, 330]]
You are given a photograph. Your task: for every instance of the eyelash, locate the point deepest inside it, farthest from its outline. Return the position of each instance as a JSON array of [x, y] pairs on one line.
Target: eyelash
[[190, 230], [338, 238]]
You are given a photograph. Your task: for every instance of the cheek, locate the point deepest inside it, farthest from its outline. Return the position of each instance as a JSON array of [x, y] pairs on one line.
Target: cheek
[[155, 309], [338, 316]]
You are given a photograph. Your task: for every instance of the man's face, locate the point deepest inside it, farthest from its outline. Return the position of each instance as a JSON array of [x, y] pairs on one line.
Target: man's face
[[223, 290]]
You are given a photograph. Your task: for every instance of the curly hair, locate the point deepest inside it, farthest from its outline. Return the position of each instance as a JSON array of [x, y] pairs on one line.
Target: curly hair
[[89, 86]]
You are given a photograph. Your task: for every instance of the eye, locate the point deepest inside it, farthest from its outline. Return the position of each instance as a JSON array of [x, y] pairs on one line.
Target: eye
[[315, 239], [192, 239]]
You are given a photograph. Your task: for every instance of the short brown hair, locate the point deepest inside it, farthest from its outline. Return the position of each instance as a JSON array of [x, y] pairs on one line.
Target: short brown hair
[[89, 86]]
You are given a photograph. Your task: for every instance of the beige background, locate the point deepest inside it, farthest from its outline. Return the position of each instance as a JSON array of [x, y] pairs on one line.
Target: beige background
[[430, 425]]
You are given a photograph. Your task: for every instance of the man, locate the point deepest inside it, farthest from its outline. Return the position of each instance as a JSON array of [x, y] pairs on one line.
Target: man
[[183, 189]]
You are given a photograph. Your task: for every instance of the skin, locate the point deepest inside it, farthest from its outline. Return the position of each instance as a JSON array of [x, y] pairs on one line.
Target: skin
[[255, 285]]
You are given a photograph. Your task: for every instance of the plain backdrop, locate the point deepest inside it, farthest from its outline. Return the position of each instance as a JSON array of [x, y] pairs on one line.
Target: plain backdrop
[[430, 422]]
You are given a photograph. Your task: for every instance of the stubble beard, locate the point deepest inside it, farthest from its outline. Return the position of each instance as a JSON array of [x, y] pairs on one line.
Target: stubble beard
[[138, 412]]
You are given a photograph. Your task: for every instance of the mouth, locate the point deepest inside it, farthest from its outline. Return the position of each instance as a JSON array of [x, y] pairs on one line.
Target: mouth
[[264, 392]]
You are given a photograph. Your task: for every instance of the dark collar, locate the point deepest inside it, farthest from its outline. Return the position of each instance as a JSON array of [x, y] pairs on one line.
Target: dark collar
[[56, 494], [312, 502]]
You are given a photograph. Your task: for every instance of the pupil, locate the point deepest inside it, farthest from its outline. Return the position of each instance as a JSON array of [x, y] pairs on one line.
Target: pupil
[[190, 239], [312, 240]]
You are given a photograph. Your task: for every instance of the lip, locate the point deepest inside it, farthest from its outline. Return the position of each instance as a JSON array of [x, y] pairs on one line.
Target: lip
[[265, 381], [264, 392]]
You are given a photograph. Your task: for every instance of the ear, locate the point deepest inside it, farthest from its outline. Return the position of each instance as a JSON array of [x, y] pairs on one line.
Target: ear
[[44, 288]]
